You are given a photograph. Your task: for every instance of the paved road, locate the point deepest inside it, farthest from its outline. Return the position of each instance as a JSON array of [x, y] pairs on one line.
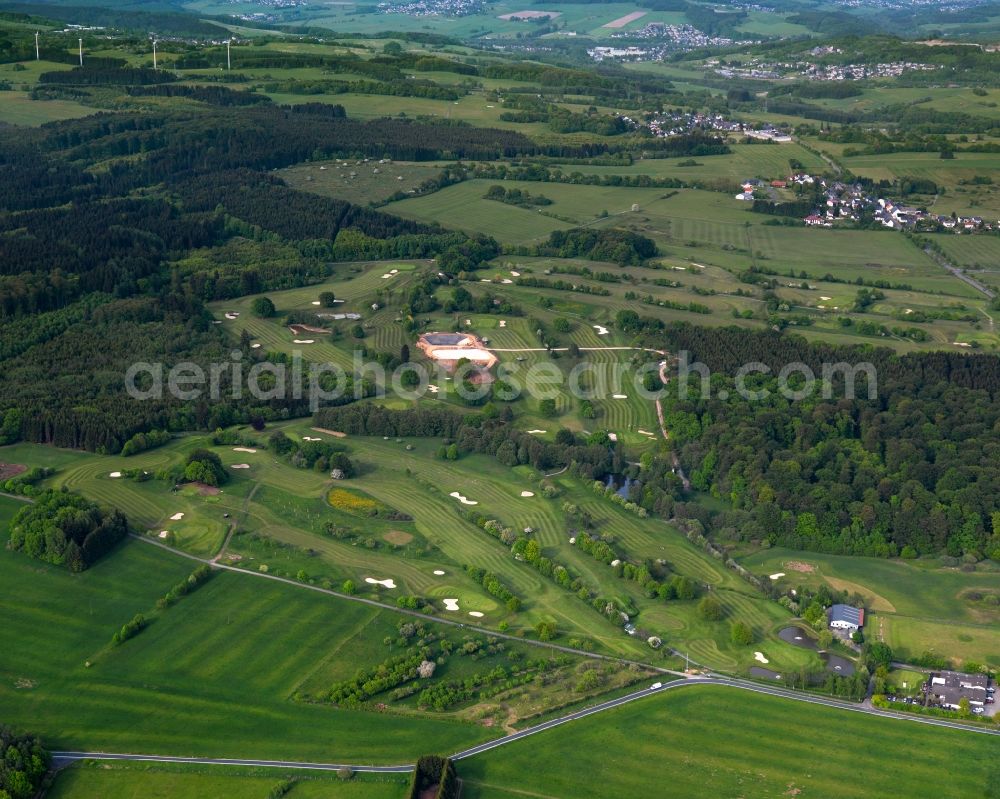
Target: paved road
[[960, 274], [65, 758]]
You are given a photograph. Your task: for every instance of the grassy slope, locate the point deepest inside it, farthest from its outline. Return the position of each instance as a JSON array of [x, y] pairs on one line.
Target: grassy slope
[[716, 742]]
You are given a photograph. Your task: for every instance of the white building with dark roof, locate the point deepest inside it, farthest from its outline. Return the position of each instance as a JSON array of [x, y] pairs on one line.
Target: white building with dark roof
[[846, 617]]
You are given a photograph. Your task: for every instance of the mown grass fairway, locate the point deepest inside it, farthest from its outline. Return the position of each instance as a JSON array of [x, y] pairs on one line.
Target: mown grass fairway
[[704, 741]]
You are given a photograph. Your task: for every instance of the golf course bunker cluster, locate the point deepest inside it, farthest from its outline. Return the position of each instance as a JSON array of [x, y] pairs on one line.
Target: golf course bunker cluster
[[449, 348]]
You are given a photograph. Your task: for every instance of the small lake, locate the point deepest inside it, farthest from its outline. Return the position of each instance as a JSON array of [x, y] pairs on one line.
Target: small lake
[[796, 636], [623, 483]]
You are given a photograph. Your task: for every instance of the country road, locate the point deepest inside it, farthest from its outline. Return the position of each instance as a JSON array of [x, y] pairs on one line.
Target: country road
[[62, 759], [941, 260]]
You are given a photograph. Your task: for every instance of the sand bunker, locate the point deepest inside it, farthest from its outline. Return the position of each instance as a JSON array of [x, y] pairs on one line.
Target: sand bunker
[[177, 517], [527, 493], [450, 604], [462, 499], [115, 474], [777, 575], [232, 316], [537, 431], [304, 341], [240, 466], [645, 433], [515, 274], [503, 323], [255, 346], [433, 389], [163, 534], [476, 614], [439, 572], [601, 330], [245, 449], [759, 657], [315, 302], [324, 431], [620, 396], [826, 298], [388, 582], [311, 438]]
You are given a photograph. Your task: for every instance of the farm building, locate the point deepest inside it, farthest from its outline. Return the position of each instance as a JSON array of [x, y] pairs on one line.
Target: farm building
[[950, 687], [845, 617]]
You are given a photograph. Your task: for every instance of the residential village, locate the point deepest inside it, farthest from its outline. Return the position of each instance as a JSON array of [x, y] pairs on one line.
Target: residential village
[[853, 203], [774, 70], [677, 123]]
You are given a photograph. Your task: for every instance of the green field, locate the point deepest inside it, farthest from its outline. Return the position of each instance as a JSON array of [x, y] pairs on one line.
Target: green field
[[101, 780], [372, 181], [714, 741], [17, 108], [918, 605], [211, 675]]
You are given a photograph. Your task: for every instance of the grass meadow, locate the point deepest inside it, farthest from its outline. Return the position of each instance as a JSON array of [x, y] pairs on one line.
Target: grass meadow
[[711, 741]]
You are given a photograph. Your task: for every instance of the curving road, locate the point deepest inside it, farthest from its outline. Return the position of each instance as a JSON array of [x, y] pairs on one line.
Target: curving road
[[65, 758]]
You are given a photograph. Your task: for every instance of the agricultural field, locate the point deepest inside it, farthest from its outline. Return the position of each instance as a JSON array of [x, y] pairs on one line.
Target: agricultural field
[[916, 606], [17, 108], [979, 254], [101, 780], [953, 175], [65, 680], [714, 741]]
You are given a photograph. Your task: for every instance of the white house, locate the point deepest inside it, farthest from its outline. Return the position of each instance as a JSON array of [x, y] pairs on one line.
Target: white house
[[845, 617]]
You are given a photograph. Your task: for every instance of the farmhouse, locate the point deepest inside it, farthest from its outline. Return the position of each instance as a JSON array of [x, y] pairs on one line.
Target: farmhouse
[[845, 617], [951, 687]]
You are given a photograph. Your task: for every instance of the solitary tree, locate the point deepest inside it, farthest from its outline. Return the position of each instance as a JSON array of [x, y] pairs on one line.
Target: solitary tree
[[741, 634], [710, 609], [263, 307]]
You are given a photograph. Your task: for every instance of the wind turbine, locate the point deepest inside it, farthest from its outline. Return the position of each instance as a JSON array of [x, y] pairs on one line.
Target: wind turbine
[[81, 52], [229, 60], [154, 51], [38, 52]]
